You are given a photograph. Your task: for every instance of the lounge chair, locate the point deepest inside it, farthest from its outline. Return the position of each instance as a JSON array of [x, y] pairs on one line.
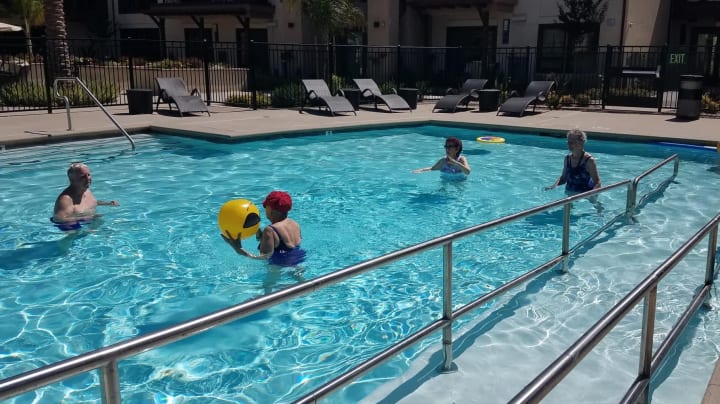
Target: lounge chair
[[536, 92], [369, 89], [317, 92], [174, 91], [455, 98]]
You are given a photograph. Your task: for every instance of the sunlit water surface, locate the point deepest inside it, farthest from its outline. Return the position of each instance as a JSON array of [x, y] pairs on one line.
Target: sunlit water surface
[[158, 259]]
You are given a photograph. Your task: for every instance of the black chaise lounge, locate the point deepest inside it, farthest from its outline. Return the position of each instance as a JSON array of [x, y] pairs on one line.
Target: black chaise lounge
[[456, 98], [174, 91], [536, 92], [369, 89], [318, 92]]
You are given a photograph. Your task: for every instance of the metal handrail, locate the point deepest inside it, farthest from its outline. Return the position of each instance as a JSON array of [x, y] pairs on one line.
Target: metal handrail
[[632, 193], [95, 100], [106, 358], [646, 290]]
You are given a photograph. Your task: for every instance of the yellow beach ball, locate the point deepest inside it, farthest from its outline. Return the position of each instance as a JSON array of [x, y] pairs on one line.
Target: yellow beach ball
[[239, 217]]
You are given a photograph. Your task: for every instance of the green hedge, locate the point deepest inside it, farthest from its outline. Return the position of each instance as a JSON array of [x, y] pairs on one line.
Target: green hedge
[[33, 94]]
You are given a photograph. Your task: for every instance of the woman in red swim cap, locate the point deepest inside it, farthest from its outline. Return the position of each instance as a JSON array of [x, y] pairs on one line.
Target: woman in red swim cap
[[279, 241]]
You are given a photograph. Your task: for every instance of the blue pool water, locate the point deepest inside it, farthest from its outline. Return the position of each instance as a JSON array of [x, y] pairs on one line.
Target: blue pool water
[[158, 258]]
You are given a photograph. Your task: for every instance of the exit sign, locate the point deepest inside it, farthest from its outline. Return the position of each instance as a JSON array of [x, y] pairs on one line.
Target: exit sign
[[677, 58]]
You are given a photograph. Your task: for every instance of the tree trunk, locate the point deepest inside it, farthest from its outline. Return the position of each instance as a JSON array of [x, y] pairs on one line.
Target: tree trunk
[[28, 41], [57, 45]]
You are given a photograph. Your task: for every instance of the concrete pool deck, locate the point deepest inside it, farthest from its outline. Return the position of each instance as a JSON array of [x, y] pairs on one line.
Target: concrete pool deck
[[227, 123], [27, 128]]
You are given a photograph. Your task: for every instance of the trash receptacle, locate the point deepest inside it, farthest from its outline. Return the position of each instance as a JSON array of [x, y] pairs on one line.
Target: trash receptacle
[[689, 97], [410, 95], [139, 101]]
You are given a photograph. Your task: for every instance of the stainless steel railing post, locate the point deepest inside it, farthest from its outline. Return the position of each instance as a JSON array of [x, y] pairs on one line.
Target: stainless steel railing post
[[448, 366], [646, 341], [110, 383], [566, 236], [95, 100]]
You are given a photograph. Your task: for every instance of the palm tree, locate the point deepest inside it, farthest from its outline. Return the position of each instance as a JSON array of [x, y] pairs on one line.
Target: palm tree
[[32, 14], [57, 46], [330, 17]]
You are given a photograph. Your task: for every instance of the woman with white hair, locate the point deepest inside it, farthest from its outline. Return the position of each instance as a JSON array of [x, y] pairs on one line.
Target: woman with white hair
[[579, 169]]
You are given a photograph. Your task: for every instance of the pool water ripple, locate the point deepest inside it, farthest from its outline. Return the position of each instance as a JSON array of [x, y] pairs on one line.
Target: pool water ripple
[[157, 260]]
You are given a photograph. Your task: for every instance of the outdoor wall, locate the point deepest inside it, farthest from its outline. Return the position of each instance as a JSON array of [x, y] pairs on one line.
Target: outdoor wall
[[528, 15], [412, 28], [647, 22], [287, 27], [383, 22], [460, 17]]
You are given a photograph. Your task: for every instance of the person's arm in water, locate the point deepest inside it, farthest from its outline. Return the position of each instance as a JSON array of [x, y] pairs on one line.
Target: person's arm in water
[[436, 166], [108, 203], [63, 208], [266, 247], [461, 163], [592, 169], [560, 180]]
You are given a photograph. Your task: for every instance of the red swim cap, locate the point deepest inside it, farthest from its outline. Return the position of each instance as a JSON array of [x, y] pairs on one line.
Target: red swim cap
[[279, 201]]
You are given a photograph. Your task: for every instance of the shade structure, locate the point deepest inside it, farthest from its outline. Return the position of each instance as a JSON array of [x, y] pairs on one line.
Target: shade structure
[[4, 27]]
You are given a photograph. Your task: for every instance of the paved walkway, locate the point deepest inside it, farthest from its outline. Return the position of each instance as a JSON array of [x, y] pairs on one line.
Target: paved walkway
[[26, 128], [226, 123]]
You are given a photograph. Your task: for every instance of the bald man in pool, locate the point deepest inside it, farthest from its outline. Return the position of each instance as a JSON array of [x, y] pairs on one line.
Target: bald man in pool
[[76, 203]]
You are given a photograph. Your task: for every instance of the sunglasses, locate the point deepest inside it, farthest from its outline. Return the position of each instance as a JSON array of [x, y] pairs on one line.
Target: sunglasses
[[450, 146]]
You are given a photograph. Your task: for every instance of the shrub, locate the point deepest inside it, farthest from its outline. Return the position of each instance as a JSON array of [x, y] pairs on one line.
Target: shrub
[[33, 94], [566, 100], [245, 99], [594, 93], [289, 95], [166, 64], [23, 94], [582, 100], [709, 105], [553, 100], [388, 86], [106, 93], [338, 82]]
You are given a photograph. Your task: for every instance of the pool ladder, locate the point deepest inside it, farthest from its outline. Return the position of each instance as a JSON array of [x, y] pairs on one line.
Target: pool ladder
[[97, 102], [106, 359]]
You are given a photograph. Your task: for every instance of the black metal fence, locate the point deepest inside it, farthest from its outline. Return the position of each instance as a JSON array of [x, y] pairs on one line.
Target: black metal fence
[[266, 74]]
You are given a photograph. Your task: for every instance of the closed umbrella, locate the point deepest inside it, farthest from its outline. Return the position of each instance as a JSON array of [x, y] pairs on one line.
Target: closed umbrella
[[4, 27]]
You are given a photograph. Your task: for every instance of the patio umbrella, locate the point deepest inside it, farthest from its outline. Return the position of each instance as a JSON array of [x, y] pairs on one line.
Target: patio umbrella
[[9, 27]]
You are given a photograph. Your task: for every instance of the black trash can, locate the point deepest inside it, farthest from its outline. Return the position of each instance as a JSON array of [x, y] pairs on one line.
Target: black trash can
[[488, 100], [410, 96], [690, 97], [140, 101]]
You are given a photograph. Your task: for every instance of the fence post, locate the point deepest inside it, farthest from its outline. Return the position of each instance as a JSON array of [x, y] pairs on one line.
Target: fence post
[[46, 71], [398, 66], [206, 68], [131, 71], [331, 65], [529, 77], [606, 73], [251, 78], [660, 81]]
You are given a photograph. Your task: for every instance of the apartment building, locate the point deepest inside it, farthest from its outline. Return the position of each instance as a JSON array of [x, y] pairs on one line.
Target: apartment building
[[467, 23]]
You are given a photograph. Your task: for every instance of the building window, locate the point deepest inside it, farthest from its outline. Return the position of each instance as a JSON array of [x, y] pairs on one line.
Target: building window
[[132, 6], [506, 31], [559, 53], [194, 45], [141, 42]]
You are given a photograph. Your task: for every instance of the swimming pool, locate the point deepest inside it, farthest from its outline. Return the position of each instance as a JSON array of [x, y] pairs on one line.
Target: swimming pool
[[158, 258]]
